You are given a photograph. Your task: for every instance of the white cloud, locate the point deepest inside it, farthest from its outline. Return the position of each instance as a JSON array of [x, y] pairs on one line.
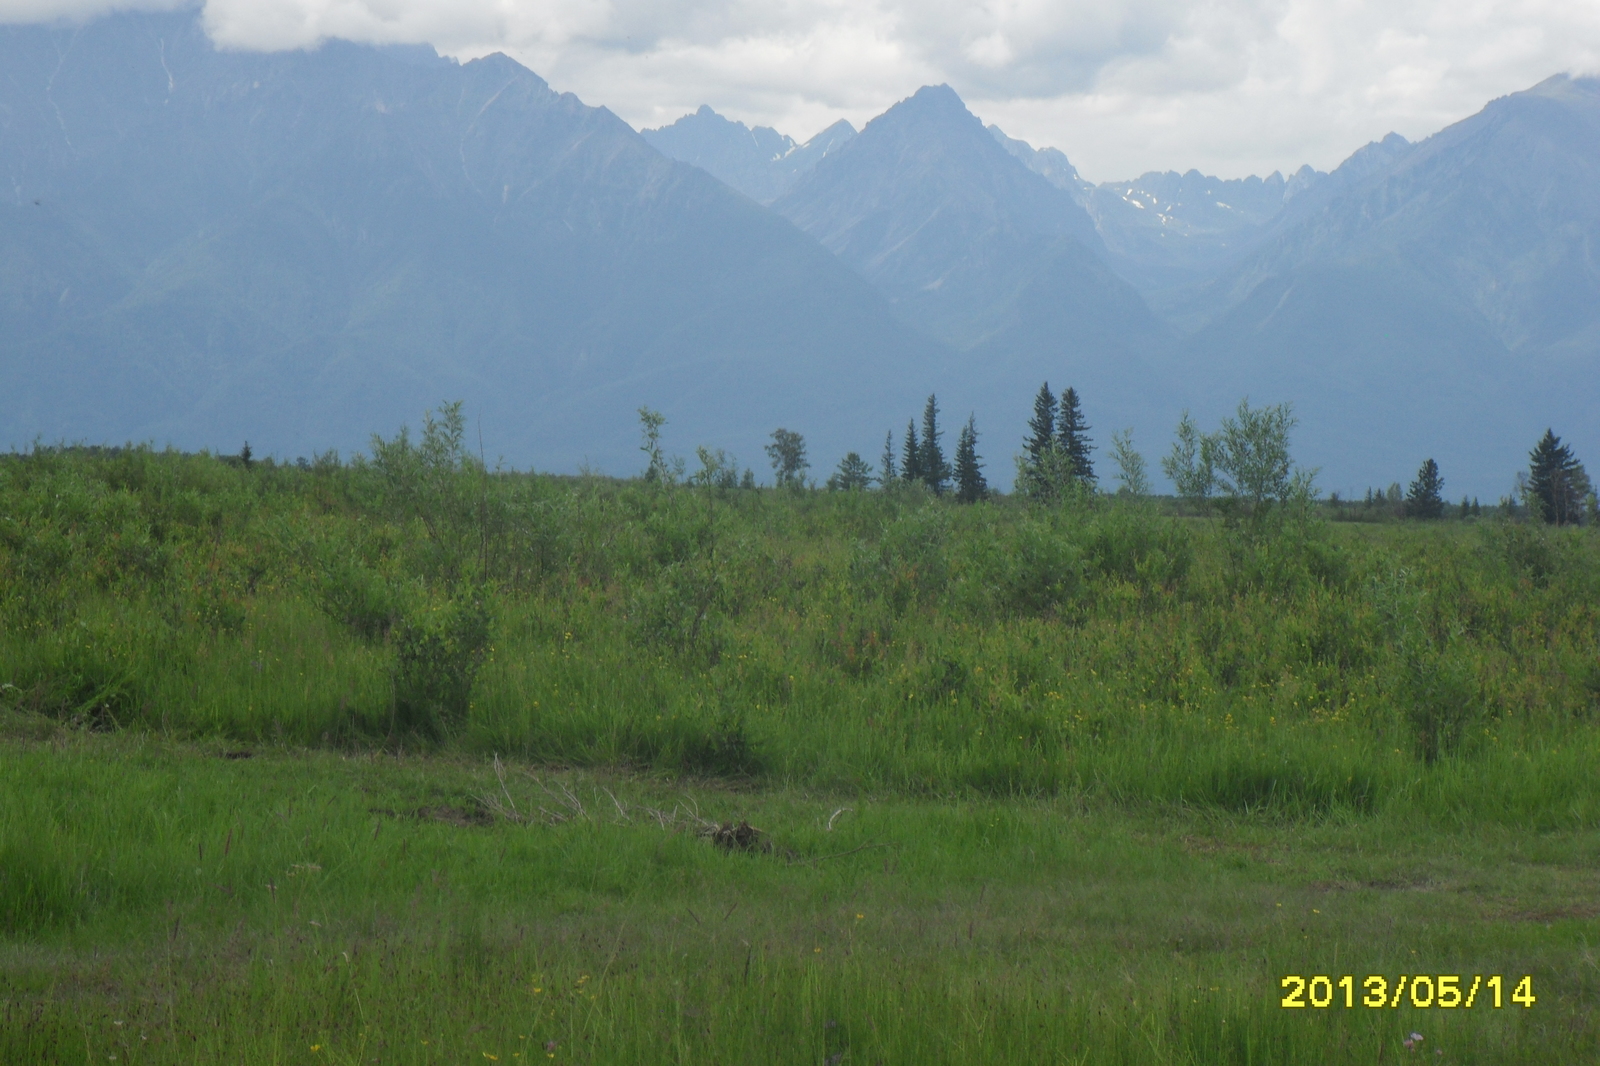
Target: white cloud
[[14, 11], [1122, 86]]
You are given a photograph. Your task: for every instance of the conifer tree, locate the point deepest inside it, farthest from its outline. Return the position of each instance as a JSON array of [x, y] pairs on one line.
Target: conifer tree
[[1072, 436], [934, 470], [852, 474], [1423, 499], [1042, 426], [1556, 480], [911, 455], [970, 485], [887, 473], [1466, 507]]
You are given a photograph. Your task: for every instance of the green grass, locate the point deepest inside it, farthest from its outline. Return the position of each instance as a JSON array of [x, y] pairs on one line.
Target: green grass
[[1112, 771], [193, 908]]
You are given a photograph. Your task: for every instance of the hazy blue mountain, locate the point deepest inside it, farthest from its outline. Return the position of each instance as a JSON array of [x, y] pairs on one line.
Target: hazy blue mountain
[[297, 249], [1434, 299], [761, 162], [1051, 164], [1164, 229], [300, 248], [980, 252]]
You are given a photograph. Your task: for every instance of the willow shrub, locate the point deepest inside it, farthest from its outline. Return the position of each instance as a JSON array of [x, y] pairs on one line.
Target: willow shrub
[[851, 639]]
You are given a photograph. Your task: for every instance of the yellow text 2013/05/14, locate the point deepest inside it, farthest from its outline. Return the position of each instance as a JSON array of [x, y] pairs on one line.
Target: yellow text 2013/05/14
[[1445, 991]]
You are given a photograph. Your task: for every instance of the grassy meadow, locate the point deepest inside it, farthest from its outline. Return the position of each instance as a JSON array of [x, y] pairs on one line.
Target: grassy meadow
[[406, 760]]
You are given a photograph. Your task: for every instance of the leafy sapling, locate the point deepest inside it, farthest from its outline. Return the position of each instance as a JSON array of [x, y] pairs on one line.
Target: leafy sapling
[[788, 455], [1132, 481]]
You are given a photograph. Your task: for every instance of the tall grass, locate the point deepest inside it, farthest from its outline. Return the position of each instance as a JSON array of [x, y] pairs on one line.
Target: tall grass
[[881, 640]]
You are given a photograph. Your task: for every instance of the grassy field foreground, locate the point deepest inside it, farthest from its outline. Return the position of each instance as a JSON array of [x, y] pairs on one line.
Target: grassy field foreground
[[304, 907], [406, 760]]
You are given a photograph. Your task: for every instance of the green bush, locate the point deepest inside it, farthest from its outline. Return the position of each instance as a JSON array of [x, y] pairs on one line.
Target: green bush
[[1440, 701], [869, 639]]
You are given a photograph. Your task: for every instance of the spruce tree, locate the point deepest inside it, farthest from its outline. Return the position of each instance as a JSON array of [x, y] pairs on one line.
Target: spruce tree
[[911, 456], [1423, 499], [1042, 426], [1557, 480], [1466, 508], [970, 485], [887, 473], [852, 474], [1072, 436], [934, 470]]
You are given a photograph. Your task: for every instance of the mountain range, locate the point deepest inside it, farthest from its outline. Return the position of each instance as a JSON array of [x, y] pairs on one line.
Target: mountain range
[[300, 248], [761, 162], [1436, 299]]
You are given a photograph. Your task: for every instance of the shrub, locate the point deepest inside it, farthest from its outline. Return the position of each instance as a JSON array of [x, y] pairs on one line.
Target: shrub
[[910, 561], [1135, 545], [1039, 571], [438, 653], [1439, 698]]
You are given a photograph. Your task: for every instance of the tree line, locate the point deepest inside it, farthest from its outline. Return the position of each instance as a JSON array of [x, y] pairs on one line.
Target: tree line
[[1243, 467]]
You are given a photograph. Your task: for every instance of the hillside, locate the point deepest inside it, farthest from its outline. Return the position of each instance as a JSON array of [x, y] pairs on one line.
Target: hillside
[[979, 252], [761, 162], [206, 247], [1441, 297]]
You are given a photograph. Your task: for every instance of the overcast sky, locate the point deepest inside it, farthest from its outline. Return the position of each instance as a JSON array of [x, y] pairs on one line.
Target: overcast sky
[[1231, 87]]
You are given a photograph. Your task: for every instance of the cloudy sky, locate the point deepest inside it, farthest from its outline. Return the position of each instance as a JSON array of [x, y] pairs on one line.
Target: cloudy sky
[[1231, 87]]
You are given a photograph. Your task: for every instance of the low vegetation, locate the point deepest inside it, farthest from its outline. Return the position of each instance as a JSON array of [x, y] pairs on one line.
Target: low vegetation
[[1032, 777]]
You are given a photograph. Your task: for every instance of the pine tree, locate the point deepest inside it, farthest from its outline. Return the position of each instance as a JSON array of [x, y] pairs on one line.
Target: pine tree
[[853, 473], [1476, 510], [1423, 499], [911, 456], [1466, 508], [1072, 436], [887, 471], [970, 485], [1042, 426], [934, 470], [1557, 480]]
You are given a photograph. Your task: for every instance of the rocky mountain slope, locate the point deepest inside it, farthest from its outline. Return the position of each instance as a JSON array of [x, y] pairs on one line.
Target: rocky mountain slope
[[300, 248], [761, 162]]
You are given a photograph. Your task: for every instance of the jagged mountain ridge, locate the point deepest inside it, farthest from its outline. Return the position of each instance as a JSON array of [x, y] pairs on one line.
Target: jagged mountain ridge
[[761, 162], [1443, 296], [981, 253], [304, 247], [1386, 316], [1164, 229], [1501, 209], [301, 248], [925, 205]]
